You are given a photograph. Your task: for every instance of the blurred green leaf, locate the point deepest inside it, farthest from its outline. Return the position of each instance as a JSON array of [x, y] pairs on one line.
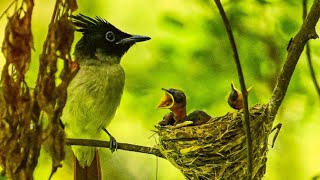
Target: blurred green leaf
[[263, 2], [288, 25], [173, 21]]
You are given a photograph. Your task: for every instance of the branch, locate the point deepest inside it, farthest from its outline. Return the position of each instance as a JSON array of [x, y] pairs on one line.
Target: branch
[[122, 146], [308, 53], [246, 117], [306, 32], [278, 128]]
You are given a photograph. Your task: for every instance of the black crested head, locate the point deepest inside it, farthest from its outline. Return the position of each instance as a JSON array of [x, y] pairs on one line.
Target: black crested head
[[100, 34]]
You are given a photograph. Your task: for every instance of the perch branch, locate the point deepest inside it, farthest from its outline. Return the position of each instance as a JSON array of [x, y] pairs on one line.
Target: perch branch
[[308, 53], [122, 146], [246, 117], [306, 32]]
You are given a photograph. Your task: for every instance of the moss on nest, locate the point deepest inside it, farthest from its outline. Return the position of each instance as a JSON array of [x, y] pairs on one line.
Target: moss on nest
[[217, 149]]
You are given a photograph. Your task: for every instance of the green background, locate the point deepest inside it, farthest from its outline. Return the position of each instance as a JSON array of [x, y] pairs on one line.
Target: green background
[[189, 50]]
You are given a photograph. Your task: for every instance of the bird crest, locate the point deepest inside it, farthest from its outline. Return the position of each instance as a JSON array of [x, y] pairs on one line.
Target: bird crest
[[87, 24]]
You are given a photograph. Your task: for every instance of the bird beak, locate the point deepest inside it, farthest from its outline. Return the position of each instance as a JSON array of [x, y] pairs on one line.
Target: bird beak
[[167, 100], [233, 87], [133, 39], [250, 88]]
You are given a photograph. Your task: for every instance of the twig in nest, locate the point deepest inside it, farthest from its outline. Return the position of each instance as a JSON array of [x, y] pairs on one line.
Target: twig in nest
[[277, 127], [122, 146]]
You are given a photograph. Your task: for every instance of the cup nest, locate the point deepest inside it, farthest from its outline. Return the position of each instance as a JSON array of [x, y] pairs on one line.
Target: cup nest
[[217, 149]]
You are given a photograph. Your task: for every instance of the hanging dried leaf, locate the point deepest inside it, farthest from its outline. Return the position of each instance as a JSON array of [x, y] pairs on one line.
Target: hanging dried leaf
[[19, 140], [50, 97], [21, 133]]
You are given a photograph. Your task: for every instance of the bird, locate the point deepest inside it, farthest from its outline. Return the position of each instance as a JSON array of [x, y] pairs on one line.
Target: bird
[[168, 119], [198, 117], [95, 91], [176, 101], [235, 99]]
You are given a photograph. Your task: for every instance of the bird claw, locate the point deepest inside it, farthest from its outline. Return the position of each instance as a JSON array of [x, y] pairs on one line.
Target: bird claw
[[113, 142]]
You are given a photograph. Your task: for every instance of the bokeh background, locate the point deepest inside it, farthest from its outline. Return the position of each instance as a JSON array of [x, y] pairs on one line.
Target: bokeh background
[[189, 50]]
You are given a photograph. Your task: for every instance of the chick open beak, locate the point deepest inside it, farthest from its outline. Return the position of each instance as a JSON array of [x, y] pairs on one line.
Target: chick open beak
[[167, 100]]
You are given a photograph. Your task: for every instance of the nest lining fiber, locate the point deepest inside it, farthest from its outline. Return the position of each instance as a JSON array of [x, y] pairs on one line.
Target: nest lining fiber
[[217, 149]]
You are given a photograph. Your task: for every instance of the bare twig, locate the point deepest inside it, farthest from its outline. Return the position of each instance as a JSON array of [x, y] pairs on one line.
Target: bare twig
[[308, 53], [306, 32], [122, 146], [278, 128], [246, 117]]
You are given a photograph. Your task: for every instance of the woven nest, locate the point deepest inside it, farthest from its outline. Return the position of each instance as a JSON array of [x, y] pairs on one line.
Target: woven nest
[[217, 149]]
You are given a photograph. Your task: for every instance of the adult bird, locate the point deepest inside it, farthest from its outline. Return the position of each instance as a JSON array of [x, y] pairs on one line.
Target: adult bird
[[95, 91]]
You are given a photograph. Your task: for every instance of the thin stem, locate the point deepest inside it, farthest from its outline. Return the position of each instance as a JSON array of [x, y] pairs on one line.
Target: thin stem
[[246, 117], [308, 53]]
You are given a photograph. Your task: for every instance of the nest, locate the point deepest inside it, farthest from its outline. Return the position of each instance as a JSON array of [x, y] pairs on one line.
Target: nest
[[217, 149]]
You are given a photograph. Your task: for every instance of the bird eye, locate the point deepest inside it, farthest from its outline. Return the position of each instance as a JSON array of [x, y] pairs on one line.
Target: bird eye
[[110, 36]]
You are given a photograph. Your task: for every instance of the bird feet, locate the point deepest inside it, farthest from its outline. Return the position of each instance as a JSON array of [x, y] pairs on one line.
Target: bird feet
[[113, 141]]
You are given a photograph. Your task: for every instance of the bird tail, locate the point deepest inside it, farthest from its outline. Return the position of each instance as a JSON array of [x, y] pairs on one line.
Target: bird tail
[[92, 172]]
